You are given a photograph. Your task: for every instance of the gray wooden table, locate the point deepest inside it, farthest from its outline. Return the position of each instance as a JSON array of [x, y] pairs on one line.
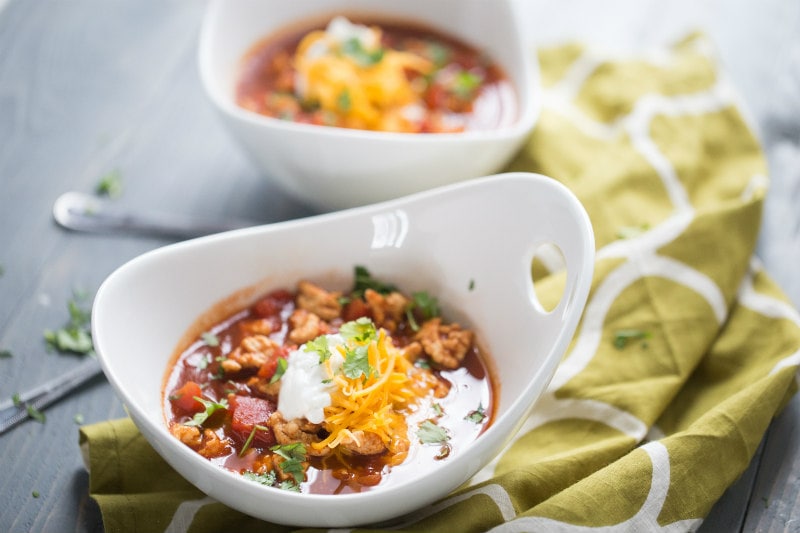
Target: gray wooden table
[[88, 87]]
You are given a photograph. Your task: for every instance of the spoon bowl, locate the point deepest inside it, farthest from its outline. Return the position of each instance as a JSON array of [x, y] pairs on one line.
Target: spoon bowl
[[472, 244]]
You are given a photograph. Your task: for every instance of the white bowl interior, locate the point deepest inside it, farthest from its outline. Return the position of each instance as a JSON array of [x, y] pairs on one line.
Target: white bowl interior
[[353, 167], [471, 244]]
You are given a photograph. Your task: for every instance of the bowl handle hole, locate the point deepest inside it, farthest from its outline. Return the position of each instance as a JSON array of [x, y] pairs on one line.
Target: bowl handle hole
[[548, 276]]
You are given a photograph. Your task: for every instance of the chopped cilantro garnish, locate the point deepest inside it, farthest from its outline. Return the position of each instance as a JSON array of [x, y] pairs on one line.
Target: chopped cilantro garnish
[[423, 363], [364, 281], [280, 370], [320, 346], [6, 354], [466, 83], [267, 478], [250, 437], [477, 416], [437, 53], [471, 284], [211, 407], [202, 363], [35, 493], [428, 306], [356, 363], [359, 330], [437, 409], [110, 185], [35, 414], [343, 102], [289, 484], [623, 336], [16, 400], [2, 270], [210, 339], [430, 433], [366, 58], [294, 455], [78, 418]]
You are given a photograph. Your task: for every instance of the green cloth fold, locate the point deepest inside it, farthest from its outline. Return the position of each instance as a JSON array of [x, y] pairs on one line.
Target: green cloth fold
[[685, 352]]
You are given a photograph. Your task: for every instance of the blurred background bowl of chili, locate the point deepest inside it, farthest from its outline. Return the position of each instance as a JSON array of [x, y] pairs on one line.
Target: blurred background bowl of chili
[[331, 167]]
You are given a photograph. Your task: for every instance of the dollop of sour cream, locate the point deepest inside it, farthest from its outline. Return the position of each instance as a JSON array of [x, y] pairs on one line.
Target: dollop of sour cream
[[305, 386]]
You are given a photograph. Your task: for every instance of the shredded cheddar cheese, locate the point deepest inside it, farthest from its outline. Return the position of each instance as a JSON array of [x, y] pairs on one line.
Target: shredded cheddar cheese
[[376, 403], [346, 71]]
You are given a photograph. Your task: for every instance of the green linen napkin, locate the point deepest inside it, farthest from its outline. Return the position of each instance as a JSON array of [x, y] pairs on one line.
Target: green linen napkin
[[685, 352]]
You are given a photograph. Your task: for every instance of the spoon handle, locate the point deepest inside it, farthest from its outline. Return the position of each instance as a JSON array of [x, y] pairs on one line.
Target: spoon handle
[[85, 213]]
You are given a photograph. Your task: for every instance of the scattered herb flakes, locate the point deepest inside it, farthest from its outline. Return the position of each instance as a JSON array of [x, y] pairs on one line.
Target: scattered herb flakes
[[356, 363], [211, 407], [343, 101], [36, 414], [266, 478], [320, 347], [477, 416], [623, 336], [354, 49], [2, 270], [210, 339], [78, 418], [364, 281], [359, 330], [471, 286], [75, 336], [16, 400], [466, 83], [437, 409], [294, 455], [426, 304], [250, 437], [423, 363], [437, 53], [35, 493], [110, 185], [430, 433], [201, 363], [280, 370], [6, 354], [290, 485]]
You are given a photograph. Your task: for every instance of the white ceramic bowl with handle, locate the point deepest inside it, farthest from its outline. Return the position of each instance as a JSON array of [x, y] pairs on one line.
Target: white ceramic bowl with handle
[[471, 244], [332, 168]]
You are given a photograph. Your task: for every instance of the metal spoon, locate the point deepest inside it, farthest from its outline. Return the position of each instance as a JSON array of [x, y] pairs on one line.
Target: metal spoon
[[87, 213]]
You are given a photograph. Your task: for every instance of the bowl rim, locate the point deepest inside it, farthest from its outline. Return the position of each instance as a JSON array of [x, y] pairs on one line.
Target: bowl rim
[[526, 92]]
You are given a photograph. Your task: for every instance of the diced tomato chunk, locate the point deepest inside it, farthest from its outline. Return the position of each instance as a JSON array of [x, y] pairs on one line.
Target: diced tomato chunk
[[355, 308], [184, 398], [273, 303], [267, 370], [248, 412]]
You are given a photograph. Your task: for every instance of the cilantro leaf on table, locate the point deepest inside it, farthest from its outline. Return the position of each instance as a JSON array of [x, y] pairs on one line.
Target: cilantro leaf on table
[[75, 336], [110, 185]]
